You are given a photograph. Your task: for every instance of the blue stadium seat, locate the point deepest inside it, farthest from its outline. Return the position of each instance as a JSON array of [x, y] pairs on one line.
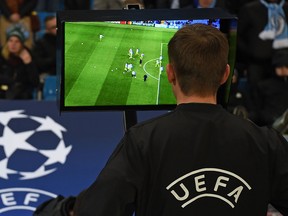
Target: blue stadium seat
[[49, 88]]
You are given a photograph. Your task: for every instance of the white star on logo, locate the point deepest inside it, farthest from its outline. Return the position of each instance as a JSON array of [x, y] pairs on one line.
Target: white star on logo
[[57, 155], [49, 124], [37, 173], [4, 170], [12, 141], [5, 117]]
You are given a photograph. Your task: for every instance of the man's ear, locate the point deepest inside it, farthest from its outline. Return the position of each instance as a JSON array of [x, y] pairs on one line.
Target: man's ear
[[170, 74], [226, 74]]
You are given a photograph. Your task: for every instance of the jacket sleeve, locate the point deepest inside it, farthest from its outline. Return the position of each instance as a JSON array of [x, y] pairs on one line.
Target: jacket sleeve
[[114, 191]]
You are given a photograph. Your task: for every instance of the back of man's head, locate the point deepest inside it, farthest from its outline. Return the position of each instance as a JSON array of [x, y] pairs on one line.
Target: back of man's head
[[199, 55]]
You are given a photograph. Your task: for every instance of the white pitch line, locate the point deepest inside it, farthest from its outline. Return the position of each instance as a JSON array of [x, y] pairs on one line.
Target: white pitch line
[[159, 74]]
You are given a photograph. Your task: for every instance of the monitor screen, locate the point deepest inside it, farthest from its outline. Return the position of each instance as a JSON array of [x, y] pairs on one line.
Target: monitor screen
[[116, 59]]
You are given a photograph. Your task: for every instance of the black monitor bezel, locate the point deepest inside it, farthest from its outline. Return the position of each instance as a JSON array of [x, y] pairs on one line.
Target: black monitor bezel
[[133, 15]]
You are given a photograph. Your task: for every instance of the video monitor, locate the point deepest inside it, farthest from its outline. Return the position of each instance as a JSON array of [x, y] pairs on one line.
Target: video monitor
[[116, 59]]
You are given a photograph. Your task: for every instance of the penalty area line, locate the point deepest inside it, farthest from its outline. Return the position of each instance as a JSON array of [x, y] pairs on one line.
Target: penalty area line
[[159, 73]]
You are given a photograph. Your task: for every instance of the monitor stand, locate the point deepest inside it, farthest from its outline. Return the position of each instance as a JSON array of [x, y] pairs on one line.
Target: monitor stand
[[130, 118]]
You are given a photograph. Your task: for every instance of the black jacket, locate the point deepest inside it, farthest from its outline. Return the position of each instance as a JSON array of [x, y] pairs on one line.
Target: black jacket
[[253, 17], [196, 160], [44, 52], [20, 78]]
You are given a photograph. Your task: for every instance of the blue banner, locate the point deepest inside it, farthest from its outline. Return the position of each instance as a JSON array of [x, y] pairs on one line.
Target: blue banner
[[44, 153]]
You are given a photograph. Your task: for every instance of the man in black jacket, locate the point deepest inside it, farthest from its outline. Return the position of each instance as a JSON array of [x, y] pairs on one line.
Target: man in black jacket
[[198, 159], [44, 49], [18, 72], [254, 50], [272, 98], [44, 52]]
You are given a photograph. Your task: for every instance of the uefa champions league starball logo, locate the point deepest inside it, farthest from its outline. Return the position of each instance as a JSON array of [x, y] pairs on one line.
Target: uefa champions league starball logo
[[30, 146]]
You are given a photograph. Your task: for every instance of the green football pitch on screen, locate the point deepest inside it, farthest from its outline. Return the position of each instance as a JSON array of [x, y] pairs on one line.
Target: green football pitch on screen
[[94, 64]]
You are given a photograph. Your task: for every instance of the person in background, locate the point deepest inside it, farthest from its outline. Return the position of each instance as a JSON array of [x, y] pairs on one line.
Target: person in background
[[44, 50], [49, 5], [281, 63], [17, 12], [233, 6], [77, 4], [116, 4], [149, 4], [18, 72], [173, 4], [262, 28], [108, 4], [209, 4], [272, 100]]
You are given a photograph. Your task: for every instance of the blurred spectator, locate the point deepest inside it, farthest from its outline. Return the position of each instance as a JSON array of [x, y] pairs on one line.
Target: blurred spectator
[[276, 28], [116, 4], [234, 6], [149, 4], [108, 4], [174, 4], [18, 72], [256, 52], [44, 50], [272, 100], [186, 3], [209, 3], [130, 4], [16, 12], [49, 5], [77, 4]]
